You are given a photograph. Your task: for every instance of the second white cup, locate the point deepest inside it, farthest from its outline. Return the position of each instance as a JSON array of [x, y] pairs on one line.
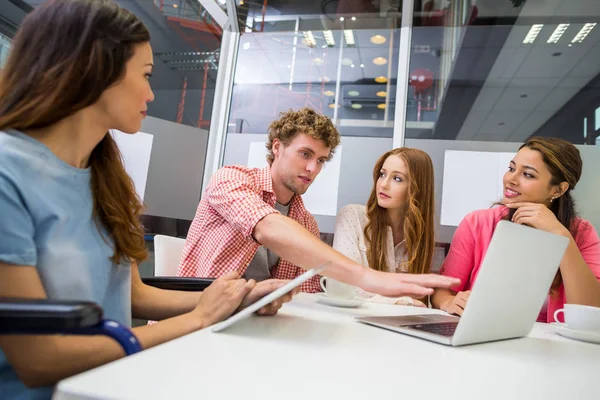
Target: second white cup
[[581, 318], [338, 289]]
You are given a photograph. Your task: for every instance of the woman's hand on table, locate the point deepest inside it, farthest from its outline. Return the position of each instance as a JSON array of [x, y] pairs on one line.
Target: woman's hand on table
[[456, 305]]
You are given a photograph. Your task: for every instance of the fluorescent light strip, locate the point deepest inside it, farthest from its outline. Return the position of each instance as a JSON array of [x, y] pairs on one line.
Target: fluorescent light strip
[[349, 36], [329, 38], [310, 39], [558, 32], [533, 33], [587, 28]]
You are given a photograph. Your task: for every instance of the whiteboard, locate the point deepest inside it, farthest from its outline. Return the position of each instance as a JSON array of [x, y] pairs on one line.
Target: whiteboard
[[321, 196], [472, 181], [135, 150]]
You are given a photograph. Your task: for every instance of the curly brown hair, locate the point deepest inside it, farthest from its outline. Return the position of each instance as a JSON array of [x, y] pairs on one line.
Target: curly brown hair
[[307, 121]]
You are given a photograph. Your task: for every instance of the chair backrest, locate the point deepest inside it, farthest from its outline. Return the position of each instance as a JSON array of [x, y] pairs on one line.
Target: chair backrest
[[167, 254]]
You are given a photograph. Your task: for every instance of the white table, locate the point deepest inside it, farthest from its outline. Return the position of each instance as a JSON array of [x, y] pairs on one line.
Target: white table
[[313, 351]]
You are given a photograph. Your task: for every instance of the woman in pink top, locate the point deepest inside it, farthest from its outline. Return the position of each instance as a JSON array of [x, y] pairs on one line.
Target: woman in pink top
[[537, 192]]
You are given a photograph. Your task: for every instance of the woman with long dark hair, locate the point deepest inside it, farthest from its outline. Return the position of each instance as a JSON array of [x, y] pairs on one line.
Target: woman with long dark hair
[[70, 215], [537, 192], [394, 232]]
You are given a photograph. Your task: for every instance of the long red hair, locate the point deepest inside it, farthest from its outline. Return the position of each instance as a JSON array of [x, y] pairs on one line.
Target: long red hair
[[419, 231]]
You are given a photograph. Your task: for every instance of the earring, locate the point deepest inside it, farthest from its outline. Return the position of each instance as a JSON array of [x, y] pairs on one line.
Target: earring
[[552, 199]]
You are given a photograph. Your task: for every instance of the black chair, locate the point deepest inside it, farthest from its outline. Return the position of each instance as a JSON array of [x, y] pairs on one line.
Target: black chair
[[178, 283], [50, 317]]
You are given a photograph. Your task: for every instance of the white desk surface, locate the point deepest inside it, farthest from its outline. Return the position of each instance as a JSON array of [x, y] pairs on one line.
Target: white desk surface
[[310, 350]]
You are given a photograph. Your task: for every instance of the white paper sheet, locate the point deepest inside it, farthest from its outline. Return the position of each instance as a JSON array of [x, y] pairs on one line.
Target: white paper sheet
[[472, 181], [136, 150], [321, 196]]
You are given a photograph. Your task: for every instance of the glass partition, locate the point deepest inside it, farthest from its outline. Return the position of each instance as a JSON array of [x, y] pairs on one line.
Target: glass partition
[[486, 75]]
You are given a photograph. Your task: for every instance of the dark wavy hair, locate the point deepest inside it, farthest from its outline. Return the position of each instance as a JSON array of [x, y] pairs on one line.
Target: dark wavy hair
[[307, 121], [65, 54], [565, 165]]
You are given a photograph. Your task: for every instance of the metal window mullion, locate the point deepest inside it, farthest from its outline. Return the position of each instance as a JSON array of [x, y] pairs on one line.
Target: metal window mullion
[[222, 104], [402, 76]]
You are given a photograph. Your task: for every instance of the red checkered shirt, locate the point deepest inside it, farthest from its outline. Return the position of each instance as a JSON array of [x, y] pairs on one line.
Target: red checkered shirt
[[220, 237]]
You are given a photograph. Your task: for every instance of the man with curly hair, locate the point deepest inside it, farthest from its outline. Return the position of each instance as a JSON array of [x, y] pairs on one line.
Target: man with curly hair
[[253, 220]]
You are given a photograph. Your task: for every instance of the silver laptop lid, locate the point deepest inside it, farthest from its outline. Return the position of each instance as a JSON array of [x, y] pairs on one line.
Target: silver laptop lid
[[513, 282]]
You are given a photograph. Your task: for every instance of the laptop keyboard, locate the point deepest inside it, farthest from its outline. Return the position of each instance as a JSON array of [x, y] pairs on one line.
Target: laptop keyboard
[[441, 328]]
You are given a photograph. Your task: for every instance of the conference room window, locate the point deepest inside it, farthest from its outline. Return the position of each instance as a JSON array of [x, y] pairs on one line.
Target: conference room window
[[336, 58]]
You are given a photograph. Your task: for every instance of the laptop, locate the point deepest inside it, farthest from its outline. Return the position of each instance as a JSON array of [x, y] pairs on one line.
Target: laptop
[[274, 295], [513, 282]]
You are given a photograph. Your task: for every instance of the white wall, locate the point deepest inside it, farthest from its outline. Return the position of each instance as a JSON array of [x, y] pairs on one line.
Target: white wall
[[357, 161]]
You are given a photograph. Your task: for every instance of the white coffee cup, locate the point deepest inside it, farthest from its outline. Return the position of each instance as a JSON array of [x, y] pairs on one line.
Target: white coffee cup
[[581, 318], [338, 289]]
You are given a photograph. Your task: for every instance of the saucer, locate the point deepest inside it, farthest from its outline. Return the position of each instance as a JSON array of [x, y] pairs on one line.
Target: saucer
[[590, 337], [339, 302]]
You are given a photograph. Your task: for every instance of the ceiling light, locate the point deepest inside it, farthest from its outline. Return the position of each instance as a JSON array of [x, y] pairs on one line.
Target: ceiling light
[[382, 93], [175, 6], [353, 93], [349, 36], [352, 66], [309, 39], [353, 18], [587, 28], [378, 39], [558, 32], [333, 105], [362, 65], [381, 106], [329, 38], [329, 93], [356, 106], [379, 61], [347, 62], [533, 33], [381, 79], [342, 19]]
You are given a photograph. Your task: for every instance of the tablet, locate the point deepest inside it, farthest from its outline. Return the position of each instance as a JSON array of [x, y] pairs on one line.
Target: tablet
[[274, 295]]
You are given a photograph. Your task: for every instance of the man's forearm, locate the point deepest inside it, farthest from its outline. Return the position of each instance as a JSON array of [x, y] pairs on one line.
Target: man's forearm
[[288, 239]]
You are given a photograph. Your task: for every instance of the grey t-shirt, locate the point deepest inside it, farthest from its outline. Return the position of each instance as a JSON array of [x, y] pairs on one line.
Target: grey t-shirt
[[264, 260]]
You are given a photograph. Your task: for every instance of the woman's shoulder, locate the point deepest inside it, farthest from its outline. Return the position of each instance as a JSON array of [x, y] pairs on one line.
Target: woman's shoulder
[[353, 213], [585, 231], [487, 216], [16, 155]]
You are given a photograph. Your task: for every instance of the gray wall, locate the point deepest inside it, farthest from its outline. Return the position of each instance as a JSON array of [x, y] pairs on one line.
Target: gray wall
[[176, 168], [358, 158]]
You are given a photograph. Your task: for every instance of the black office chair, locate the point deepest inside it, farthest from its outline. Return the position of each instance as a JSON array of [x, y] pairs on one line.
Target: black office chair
[[50, 317]]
